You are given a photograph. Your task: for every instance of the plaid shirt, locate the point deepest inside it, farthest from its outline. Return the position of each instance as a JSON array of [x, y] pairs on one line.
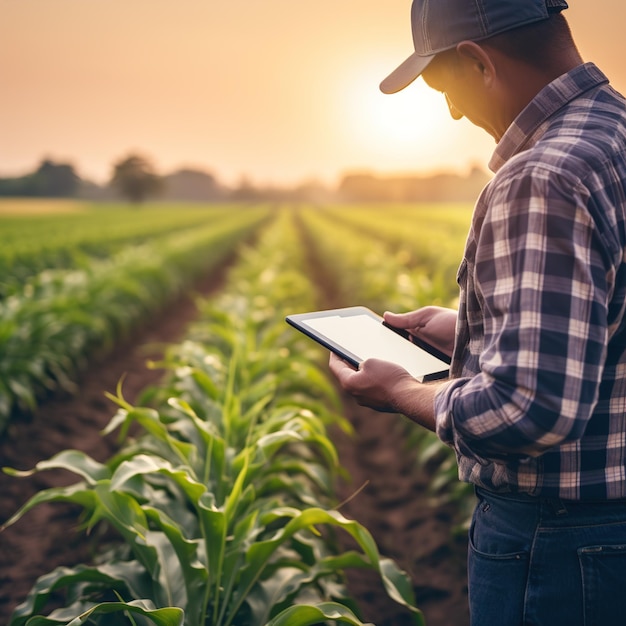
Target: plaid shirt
[[537, 400]]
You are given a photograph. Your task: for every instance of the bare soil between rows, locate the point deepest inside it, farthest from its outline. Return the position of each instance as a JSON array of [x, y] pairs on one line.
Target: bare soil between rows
[[393, 505]]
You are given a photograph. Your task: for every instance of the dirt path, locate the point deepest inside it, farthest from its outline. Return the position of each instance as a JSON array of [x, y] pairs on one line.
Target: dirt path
[[393, 505]]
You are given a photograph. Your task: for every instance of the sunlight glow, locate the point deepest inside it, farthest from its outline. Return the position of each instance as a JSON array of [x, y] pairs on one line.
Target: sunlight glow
[[416, 114], [260, 96], [409, 129]]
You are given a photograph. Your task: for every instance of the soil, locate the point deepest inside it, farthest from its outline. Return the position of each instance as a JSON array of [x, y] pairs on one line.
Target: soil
[[393, 505]]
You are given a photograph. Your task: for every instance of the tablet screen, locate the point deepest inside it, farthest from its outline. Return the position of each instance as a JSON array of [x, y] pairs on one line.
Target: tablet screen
[[362, 335]]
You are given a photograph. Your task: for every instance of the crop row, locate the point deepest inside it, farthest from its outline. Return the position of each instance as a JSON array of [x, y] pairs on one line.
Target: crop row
[[370, 268], [373, 272], [428, 237], [30, 244], [61, 317], [223, 502]]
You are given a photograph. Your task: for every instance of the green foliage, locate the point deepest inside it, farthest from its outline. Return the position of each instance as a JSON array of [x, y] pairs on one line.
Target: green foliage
[[61, 317], [223, 502], [224, 499], [392, 257], [400, 258], [30, 244]]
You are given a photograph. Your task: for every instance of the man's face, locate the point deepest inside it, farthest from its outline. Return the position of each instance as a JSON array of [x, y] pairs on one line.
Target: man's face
[[440, 75], [463, 88]]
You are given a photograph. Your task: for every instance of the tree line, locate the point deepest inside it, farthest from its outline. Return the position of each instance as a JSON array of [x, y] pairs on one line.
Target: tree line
[[135, 179]]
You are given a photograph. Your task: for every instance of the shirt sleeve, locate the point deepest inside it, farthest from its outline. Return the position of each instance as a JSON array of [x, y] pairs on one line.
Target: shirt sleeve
[[541, 277]]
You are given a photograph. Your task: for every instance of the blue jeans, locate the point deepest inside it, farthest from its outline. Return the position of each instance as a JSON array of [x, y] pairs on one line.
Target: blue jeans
[[542, 562]]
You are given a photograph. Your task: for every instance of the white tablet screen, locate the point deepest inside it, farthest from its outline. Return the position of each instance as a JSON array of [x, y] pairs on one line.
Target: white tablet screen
[[366, 338]]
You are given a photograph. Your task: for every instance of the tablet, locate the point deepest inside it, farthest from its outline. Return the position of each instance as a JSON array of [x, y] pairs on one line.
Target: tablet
[[357, 333]]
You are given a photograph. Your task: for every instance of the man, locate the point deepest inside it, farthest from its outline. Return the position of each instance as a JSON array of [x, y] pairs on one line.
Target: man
[[535, 407]]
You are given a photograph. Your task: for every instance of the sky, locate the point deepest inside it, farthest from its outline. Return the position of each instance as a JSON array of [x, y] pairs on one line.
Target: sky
[[271, 91]]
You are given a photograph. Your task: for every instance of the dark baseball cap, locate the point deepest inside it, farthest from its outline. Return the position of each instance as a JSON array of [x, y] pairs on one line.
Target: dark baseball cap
[[440, 25]]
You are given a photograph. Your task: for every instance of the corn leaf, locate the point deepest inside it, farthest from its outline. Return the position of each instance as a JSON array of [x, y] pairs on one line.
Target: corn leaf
[[72, 460], [303, 615], [260, 552], [120, 577], [169, 616]]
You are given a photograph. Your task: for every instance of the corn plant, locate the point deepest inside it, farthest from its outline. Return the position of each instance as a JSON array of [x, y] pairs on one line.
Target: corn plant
[[223, 501]]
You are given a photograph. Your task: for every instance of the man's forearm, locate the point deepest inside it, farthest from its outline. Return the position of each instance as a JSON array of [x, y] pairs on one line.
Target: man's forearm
[[417, 401]]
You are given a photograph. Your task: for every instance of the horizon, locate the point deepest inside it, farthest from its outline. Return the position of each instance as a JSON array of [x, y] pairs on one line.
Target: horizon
[[274, 93], [389, 178], [421, 174]]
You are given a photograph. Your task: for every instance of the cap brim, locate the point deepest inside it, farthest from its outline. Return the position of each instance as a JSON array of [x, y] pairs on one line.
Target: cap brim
[[406, 73]]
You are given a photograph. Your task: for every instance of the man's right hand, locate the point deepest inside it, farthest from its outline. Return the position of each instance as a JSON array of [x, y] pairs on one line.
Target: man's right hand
[[433, 324]]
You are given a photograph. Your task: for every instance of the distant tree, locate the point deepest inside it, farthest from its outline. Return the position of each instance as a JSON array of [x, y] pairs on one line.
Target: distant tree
[[56, 180], [192, 185], [49, 180], [134, 177], [12, 186]]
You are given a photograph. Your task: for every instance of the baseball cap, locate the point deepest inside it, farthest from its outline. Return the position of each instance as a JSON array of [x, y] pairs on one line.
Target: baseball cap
[[439, 25]]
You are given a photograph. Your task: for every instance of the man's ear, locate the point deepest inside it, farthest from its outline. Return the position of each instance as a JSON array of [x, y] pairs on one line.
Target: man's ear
[[477, 60]]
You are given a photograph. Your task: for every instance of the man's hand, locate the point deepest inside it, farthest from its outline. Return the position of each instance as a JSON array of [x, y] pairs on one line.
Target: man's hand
[[433, 324], [373, 384], [387, 387]]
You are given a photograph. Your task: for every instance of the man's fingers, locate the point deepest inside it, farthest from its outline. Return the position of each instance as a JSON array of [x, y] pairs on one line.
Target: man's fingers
[[340, 368], [411, 320]]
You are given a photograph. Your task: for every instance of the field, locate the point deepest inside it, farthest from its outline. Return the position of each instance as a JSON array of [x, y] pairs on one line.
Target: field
[[234, 433]]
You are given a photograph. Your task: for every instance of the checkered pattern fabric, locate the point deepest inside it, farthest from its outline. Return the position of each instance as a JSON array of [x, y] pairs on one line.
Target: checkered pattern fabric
[[537, 403]]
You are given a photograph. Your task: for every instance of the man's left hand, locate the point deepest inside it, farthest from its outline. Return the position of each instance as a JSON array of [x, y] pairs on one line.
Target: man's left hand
[[387, 387]]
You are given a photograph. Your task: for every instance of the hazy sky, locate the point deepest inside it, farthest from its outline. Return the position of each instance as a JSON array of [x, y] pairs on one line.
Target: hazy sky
[[276, 90]]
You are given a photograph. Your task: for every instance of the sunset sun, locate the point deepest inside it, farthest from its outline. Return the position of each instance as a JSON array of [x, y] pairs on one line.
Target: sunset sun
[[416, 114], [399, 130]]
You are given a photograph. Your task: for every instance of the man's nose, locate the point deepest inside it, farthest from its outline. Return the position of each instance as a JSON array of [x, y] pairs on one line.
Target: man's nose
[[454, 112]]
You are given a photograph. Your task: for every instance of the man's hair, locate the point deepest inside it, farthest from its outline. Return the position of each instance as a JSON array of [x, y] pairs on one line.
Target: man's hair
[[535, 44]]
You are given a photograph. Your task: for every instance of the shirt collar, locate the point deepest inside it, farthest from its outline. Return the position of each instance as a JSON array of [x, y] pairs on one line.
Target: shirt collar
[[548, 101]]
